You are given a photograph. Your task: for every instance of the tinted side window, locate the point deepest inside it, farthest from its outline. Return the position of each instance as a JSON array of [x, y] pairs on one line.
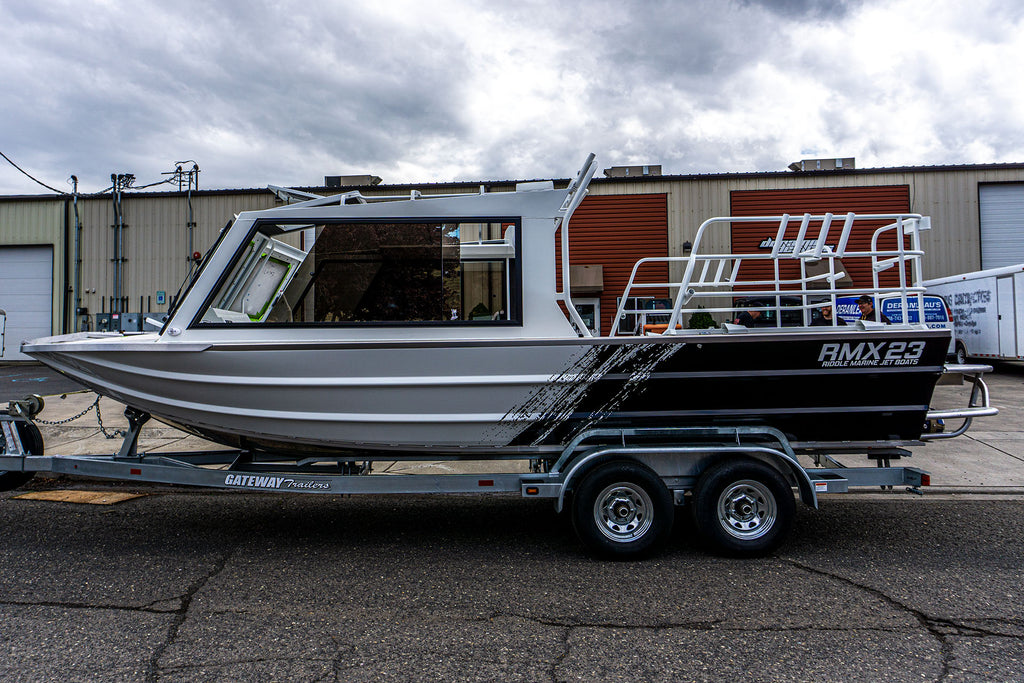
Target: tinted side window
[[436, 272]]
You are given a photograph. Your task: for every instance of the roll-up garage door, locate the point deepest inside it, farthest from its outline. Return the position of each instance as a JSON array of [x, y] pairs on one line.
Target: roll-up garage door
[[1002, 224], [875, 199], [26, 295]]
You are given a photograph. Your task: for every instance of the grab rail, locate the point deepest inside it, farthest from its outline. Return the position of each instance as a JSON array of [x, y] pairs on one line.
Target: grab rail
[[977, 406], [577, 192]]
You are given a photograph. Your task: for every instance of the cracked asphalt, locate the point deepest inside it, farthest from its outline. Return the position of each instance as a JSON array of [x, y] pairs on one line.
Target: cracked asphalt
[[184, 585]]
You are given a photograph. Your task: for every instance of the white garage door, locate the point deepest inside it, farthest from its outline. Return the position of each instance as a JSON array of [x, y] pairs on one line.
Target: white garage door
[[26, 294], [1002, 224]]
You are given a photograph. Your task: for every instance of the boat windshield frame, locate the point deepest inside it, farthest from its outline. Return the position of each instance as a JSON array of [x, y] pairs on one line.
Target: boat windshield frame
[[191, 278], [275, 226]]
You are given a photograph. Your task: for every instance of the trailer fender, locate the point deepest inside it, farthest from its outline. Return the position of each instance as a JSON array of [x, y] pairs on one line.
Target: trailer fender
[[808, 495], [785, 463], [788, 467]]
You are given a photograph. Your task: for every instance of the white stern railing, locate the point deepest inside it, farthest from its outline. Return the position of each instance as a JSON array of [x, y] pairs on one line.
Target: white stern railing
[[822, 249]]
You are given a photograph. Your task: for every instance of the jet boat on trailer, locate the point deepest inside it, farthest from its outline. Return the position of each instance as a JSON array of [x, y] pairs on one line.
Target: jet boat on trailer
[[385, 325]]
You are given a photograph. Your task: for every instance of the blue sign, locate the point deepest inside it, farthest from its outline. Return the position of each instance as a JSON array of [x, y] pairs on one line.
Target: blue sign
[[847, 309], [161, 297], [934, 309]]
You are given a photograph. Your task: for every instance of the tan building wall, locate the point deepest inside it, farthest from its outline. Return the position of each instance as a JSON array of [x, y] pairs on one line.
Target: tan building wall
[[155, 243], [156, 238]]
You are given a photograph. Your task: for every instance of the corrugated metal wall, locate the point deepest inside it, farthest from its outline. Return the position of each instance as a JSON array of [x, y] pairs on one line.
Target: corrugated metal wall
[[949, 195], [155, 243], [156, 249], [839, 200], [616, 232], [38, 223]]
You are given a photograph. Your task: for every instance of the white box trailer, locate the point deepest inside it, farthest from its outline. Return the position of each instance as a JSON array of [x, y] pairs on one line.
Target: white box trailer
[[988, 311]]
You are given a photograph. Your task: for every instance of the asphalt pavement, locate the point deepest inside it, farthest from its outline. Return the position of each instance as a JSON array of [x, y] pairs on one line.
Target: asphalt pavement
[[18, 380], [201, 586], [180, 585]]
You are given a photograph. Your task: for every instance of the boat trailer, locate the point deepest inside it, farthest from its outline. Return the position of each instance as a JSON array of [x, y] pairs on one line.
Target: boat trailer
[[619, 485]]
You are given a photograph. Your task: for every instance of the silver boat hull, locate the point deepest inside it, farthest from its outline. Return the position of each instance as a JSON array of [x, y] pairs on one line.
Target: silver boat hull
[[493, 398]]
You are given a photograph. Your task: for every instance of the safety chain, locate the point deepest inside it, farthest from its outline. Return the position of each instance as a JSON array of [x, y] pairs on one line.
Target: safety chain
[[99, 420], [117, 433], [74, 417]]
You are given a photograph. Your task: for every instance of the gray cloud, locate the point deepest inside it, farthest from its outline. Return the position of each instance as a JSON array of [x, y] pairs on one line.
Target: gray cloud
[[807, 9], [342, 87], [273, 92]]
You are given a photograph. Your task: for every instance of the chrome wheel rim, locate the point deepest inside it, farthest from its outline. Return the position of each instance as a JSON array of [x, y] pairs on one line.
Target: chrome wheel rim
[[623, 512], [747, 509]]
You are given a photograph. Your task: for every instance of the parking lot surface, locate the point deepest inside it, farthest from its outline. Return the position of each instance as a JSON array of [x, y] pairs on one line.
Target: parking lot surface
[[180, 584]]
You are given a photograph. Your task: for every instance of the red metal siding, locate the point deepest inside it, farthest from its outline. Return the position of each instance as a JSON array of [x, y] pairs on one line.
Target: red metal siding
[[616, 231], [838, 200]]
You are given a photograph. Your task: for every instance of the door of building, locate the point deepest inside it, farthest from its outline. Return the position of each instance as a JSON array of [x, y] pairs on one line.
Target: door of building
[[26, 296], [1001, 211]]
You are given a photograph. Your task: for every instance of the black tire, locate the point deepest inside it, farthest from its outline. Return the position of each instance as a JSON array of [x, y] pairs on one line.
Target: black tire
[[743, 508], [622, 510], [32, 442], [961, 354]]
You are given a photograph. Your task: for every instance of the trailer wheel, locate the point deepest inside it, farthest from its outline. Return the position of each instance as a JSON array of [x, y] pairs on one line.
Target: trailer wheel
[[32, 442], [743, 509], [961, 353], [622, 510]]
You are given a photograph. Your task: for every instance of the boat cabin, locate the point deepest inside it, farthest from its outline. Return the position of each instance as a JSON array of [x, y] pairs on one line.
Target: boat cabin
[[493, 265]]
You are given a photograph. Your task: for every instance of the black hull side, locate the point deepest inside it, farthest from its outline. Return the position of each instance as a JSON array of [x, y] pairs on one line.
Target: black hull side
[[862, 387]]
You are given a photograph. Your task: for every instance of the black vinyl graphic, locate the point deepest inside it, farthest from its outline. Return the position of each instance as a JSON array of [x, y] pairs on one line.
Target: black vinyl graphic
[[559, 401]]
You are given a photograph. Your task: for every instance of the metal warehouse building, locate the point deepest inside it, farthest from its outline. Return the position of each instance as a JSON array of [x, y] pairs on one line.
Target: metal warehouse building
[[134, 254]]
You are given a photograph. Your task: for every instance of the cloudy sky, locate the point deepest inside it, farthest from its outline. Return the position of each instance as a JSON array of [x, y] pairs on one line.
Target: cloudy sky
[[286, 92]]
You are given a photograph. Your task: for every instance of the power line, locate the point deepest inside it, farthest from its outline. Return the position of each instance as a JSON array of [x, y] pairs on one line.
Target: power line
[[159, 182], [27, 175], [128, 184]]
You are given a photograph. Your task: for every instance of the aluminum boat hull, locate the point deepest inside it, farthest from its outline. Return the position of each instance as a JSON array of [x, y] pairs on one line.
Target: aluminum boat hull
[[493, 398]]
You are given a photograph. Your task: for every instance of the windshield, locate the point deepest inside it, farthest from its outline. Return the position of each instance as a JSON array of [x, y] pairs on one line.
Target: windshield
[[193, 275]]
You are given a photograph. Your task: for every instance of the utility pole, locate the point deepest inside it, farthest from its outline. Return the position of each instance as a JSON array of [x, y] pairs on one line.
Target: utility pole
[[187, 179], [119, 182]]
